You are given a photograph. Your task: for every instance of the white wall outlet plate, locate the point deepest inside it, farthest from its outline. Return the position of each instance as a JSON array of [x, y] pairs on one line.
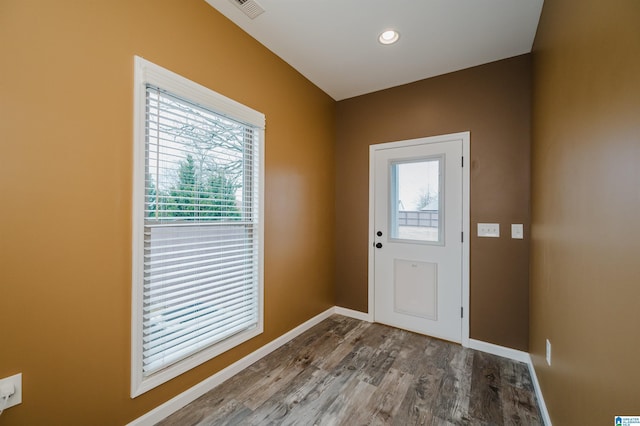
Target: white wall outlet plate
[[16, 381], [517, 231], [489, 230], [548, 352]]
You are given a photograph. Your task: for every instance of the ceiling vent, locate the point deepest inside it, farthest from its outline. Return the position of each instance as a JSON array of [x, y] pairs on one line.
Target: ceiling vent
[[250, 7]]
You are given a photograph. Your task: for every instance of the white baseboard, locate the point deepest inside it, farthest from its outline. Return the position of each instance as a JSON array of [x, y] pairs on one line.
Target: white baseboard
[[162, 411], [536, 385], [353, 314], [502, 351]]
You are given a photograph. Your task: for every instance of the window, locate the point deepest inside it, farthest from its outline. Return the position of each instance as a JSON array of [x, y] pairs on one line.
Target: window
[[197, 225], [417, 210]]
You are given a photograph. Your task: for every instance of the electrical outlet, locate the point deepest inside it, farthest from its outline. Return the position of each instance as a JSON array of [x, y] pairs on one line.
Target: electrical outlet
[[16, 381], [489, 230], [548, 352]]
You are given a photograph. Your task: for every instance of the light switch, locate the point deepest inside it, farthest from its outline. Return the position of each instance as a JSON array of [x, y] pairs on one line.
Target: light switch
[[489, 230], [517, 231]]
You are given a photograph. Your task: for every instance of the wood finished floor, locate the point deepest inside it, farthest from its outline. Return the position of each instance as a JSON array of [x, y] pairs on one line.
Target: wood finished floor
[[349, 372]]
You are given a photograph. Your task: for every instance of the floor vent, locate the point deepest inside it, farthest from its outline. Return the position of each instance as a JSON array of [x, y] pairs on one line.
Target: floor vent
[[250, 7]]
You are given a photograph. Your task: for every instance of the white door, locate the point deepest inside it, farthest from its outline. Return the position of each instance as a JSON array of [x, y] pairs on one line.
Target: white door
[[418, 221]]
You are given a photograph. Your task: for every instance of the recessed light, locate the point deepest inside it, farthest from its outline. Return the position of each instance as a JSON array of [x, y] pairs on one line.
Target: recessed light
[[389, 37]]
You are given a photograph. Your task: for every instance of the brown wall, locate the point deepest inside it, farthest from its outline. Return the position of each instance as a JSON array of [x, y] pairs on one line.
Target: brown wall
[[66, 78], [493, 102], [585, 285]]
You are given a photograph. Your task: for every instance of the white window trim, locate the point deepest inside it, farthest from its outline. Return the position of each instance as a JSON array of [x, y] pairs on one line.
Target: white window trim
[[146, 72]]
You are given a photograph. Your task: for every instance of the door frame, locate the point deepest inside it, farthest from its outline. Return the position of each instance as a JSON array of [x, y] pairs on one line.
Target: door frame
[[465, 137]]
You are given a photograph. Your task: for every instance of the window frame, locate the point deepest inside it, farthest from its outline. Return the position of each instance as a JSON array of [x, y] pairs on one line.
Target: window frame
[[146, 72], [394, 181]]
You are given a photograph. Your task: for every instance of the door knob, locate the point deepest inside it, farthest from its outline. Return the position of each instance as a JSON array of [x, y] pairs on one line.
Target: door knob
[[378, 245]]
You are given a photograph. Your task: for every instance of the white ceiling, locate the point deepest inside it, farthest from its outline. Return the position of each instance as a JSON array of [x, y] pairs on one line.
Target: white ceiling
[[334, 43]]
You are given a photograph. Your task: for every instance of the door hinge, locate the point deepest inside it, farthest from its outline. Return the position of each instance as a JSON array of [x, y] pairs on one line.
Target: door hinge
[[462, 237], [461, 312], [462, 161]]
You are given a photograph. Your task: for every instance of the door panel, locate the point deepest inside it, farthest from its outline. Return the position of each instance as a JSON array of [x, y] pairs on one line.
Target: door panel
[[415, 288], [418, 224]]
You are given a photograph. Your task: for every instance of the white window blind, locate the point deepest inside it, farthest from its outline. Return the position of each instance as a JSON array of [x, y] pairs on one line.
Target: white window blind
[[201, 239]]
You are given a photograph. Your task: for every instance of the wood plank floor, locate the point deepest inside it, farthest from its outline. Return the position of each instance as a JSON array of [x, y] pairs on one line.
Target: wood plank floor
[[349, 372]]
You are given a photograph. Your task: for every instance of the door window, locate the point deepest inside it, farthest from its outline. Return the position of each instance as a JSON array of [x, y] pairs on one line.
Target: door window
[[416, 200]]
